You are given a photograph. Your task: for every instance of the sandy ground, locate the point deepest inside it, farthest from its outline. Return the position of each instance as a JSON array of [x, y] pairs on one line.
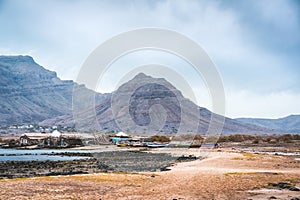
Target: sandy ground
[[222, 175]]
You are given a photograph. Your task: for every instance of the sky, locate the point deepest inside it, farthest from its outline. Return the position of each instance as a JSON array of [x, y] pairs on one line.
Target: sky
[[254, 44]]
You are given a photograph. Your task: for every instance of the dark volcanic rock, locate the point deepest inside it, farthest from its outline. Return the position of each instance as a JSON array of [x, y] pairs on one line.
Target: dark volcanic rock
[[134, 161], [17, 169], [295, 198], [284, 185], [272, 197], [115, 161], [293, 188]]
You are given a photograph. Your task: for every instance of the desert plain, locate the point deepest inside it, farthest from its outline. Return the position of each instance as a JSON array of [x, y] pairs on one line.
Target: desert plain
[[227, 173]]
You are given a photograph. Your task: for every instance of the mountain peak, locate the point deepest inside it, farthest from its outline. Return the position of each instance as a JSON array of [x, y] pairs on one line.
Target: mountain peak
[[147, 78], [141, 76], [18, 58]]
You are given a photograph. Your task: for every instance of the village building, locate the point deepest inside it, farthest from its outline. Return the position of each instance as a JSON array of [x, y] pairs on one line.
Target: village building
[[53, 140], [28, 139], [121, 136]]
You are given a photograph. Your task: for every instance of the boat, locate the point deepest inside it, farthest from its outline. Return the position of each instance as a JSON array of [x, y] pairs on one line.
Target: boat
[[208, 145], [122, 144], [157, 145], [138, 144]]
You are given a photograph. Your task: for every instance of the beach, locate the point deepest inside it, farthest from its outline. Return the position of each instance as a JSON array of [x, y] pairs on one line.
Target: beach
[[225, 174]]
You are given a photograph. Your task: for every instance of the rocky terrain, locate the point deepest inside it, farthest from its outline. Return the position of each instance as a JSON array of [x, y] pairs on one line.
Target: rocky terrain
[[221, 175], [114, 161], [30, 93]]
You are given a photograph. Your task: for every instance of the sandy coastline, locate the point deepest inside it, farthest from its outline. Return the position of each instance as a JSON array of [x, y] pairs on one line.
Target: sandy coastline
[[222, 175]]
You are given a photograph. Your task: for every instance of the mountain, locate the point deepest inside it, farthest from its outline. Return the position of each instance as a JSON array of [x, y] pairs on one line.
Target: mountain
[[151, 105], [289, 124], [30, 94]]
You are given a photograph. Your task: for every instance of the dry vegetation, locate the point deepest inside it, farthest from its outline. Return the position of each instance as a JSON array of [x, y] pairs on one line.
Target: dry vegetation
[[232, 174], [272, 139]]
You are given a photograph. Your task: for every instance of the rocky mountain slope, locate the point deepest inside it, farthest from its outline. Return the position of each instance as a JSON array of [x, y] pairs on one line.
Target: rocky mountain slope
[[289, 124], [151, 105], [29, 93]]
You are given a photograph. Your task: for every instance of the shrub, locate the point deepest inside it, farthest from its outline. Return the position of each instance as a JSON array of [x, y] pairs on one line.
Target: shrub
[[187, 137], [256, 141], [285, 138], [237, 138], [160, 138]]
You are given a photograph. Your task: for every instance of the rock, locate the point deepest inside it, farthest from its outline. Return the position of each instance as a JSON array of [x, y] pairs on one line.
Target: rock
[[20, 169], [164, 169], [284, 185], [293, 188], [295, 198], [134, 161], [272, 197], [187, 158]]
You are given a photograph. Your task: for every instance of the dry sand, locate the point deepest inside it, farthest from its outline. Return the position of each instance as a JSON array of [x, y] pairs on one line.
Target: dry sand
[[222, 175]]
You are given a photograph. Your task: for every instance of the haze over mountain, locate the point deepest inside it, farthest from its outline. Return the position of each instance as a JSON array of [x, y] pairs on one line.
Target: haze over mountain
[[30, 93], [289, 124]]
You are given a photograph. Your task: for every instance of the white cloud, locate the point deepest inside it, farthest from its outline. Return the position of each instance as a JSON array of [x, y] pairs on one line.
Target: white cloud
[[246, 103], [61, 34]]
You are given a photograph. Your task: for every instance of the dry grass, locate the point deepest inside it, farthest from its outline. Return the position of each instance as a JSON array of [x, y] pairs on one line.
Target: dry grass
[[237, 158], [251, 173], [247, 156], [119, 177], [251, 155]]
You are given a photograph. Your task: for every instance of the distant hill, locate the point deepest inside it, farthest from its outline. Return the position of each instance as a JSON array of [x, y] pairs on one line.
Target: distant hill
[[30, 94], [155, 91], [289, 124]]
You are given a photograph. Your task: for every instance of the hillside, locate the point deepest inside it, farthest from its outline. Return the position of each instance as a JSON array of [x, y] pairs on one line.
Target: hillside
[[289, 124], [30, 93], [33, 94], [152, 105]]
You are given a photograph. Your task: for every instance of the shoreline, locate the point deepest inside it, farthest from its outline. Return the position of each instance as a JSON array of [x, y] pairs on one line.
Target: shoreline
[[108, 161], [222, 175]]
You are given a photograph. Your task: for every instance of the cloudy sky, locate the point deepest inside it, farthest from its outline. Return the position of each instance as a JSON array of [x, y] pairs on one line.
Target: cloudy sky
[[255, 45]]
